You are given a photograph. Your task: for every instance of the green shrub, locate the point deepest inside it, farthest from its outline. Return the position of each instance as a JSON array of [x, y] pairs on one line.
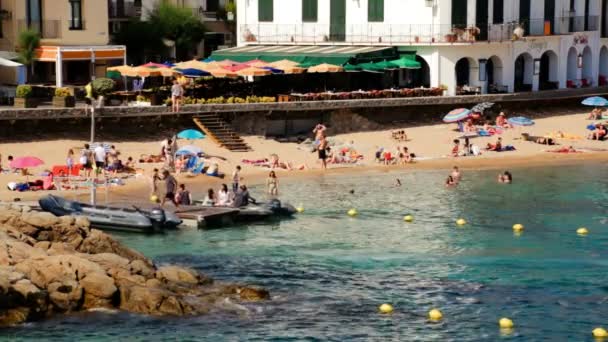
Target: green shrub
[[102, 86], [24, 91], [62, 92]]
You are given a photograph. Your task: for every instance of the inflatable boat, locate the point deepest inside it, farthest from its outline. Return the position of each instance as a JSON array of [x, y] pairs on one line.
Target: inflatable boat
[[113, 218]]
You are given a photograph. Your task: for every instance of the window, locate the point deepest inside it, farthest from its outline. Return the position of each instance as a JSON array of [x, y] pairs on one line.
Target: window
[[375, 10], [265, 10], [498, 16], [34, 14], [309, 11], [75, 14]]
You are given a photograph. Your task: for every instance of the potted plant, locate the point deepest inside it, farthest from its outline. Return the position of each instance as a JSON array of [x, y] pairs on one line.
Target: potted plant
[[23, 97], [63, 98]]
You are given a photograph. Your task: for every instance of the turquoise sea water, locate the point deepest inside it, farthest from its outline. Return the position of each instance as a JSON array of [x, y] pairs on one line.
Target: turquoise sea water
[[328, 273]]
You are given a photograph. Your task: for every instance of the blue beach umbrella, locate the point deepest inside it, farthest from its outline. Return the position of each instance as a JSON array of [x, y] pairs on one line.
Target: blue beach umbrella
[[520, 121], [191, 72], [191, 134], [456, 115], [189, 150], [595, 101]]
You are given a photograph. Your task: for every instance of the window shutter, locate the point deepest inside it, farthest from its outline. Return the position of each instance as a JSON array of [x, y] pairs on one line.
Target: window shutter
[[309, 10], [265, 10], [375, 10]]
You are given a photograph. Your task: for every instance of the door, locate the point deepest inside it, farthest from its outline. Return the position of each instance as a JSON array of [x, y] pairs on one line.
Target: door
[[459, 13], [337, 21], [524, 15], [481, 19], [550, 15], [213, 5]]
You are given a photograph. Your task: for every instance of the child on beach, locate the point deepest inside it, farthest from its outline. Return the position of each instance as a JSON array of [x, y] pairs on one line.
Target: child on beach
[[70, 161], [236, 178]]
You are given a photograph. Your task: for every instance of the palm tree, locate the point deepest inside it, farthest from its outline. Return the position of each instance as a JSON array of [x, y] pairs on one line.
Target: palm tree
[[28, 42]]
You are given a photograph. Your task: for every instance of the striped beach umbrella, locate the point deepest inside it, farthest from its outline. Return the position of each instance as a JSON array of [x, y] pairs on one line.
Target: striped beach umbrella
[[595, 101], [456, 115], [520, 121]]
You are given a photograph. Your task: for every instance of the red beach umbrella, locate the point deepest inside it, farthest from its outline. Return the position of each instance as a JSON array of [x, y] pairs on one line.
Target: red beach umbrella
[[25, 162]]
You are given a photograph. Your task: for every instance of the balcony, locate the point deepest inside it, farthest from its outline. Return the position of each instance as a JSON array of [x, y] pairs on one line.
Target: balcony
[[125, 11], [394, 34], [48, 29]]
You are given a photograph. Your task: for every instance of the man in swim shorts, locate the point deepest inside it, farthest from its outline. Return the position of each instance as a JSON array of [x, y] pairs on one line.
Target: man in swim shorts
[[322, 150]]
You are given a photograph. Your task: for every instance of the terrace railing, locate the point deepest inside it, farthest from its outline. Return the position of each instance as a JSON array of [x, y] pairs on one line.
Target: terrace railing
[[380, 33]]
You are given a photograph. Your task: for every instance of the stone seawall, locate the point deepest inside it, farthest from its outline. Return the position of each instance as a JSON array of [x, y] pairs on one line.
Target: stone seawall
[[274, 119]]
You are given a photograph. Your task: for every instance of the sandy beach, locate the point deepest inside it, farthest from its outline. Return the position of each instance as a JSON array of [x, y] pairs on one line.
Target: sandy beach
[[432, 145]]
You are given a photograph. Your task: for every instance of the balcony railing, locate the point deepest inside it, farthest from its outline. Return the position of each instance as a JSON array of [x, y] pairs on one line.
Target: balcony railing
[[380, 33], [48, 29], [128, 10]]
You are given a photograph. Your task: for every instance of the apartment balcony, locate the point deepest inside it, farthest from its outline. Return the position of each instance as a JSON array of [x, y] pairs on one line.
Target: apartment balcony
[[126, 11], [394, 34], [48, 29]]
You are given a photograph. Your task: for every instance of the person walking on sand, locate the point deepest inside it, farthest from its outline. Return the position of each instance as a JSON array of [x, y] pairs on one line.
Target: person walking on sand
[[170, 188], [86, 159], [100, 159], [272, 184], [322, 151], [155, 179], [69, 161], [169, 155], [177, 91], [236, 178], [183, 196]]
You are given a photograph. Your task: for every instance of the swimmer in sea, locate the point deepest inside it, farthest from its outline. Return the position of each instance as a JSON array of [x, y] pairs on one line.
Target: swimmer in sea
[[456, 175], [450, 182], [398, 183], [352, 191], [505, 178]]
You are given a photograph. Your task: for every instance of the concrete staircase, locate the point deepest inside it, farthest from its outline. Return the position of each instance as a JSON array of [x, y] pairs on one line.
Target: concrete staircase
[[220, 132]]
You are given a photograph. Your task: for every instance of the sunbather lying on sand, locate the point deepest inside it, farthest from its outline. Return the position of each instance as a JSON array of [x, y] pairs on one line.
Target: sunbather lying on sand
[[565, 149]]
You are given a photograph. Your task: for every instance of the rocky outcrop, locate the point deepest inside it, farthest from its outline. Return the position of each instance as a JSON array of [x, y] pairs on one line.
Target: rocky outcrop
[[54, 265]]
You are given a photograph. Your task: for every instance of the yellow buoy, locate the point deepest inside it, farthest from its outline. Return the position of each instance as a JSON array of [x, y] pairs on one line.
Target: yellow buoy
[[518, 227], [505, 323], [435, 315], [600, 332], [408, 218], [461, 222], [153, 198], [352, 212], [386, 308], [582, 231], [300, 209]]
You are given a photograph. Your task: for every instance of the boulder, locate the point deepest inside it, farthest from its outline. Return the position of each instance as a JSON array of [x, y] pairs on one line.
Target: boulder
[[65, 296], [140, 299], [13, 316], [98, 285], [253, 294], [177, 274], [39, 219]]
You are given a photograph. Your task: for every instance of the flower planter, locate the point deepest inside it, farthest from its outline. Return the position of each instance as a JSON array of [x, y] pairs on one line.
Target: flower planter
[[64, 101], [27, 102]]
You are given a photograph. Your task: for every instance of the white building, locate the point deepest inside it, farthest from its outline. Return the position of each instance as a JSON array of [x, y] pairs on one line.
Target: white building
[[487, 45]]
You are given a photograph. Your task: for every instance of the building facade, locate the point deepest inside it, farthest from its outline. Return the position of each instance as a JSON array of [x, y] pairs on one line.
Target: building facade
[[466, 45], [74, 38]]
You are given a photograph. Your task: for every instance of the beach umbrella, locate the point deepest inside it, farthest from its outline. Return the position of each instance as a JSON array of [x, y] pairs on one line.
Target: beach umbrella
[[258, 63], [153, 65], [207, 60], [191, 72], [325, 67], [273, 70], [283, 63], [191, 134], [595, 101], [252, 71], [25, 162], [168, 64], [481, 107], [520, 121], [456, 115], [193, 64], [237, 67], [189, 150], [227, 62], [221, 72], [287, 69]]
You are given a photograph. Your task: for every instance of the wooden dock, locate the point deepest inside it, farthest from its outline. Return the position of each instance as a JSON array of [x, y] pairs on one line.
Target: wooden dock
[[207, 217]]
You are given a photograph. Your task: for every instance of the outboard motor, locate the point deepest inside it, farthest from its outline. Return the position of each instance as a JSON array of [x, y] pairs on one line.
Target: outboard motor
[[158, 218]]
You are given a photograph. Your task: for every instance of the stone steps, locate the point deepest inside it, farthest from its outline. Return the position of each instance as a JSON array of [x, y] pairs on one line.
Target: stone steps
[[219, 132]]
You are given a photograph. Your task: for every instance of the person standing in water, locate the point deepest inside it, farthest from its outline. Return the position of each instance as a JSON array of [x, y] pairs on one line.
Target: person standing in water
[[456, 175], [322, 151], [272, 184], [236, 179]]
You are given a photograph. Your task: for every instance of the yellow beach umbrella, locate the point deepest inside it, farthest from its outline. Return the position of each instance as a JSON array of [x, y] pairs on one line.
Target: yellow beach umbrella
[[253, 71], [326, 68], [291, 69], [121, 69], [283, 63], [193, 64], [257, 64]]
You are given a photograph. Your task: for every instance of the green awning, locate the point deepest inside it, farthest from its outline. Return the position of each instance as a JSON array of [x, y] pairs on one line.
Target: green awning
[[307, 54], [351, 67], [370, 67], [406, 62], [386, 65]]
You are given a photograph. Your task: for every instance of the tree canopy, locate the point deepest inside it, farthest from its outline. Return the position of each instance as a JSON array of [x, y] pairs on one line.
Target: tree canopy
[[165, 22]]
